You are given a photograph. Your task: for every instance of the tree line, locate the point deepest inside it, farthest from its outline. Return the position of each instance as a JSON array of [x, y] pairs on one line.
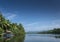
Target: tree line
[[54, 31]]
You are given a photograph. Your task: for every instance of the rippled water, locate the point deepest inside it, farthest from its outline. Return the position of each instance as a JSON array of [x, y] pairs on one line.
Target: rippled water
[[33, 38]]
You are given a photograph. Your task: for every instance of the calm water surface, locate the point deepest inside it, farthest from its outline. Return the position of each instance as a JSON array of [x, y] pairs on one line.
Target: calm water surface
[[33, 38], [41, 38]]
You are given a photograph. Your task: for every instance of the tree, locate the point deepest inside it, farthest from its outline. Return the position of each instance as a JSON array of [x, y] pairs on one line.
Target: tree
[[13, 27]]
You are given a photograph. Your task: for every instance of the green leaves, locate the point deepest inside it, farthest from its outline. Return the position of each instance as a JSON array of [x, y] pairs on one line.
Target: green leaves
[[13, 27], [1, 30]]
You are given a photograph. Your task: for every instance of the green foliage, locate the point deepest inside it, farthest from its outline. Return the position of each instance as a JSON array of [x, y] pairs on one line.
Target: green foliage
[[54, 31], [13, 27], [1, 30]]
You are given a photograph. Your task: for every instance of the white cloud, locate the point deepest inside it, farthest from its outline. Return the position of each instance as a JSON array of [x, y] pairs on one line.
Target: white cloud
[[32, 24], [9, 15], [12, 16], [36, 26]]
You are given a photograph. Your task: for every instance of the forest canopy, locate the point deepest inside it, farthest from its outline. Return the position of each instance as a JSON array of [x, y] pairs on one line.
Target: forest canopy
[[6, 25]]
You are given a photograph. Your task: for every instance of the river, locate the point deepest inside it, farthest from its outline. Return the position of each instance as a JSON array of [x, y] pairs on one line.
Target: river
[[33, 38], [41, 38]]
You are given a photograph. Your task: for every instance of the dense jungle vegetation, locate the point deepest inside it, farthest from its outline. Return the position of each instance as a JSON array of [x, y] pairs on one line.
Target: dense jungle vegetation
[[6, 25]]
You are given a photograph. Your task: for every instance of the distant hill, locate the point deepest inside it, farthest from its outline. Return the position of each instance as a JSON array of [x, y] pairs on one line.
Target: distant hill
[[54, 31]]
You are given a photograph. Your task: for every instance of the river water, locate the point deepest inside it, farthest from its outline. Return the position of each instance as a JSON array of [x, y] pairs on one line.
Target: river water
[[33, 38]]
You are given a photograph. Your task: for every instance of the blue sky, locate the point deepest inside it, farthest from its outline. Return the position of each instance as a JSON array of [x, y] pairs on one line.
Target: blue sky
[[35, 15]]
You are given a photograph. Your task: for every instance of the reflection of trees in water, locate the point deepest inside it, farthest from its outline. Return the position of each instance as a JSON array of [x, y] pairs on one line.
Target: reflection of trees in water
[[57, 36], [14, 39], [18, 38], [6, 39]]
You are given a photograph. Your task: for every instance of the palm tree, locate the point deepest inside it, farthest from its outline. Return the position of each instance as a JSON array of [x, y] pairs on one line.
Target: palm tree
[[4, 24]]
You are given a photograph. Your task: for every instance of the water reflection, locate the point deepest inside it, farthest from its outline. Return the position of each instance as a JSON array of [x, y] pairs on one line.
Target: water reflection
[[41, 38], [57, 36], [32, 38], [13, 39], [6, 39]]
